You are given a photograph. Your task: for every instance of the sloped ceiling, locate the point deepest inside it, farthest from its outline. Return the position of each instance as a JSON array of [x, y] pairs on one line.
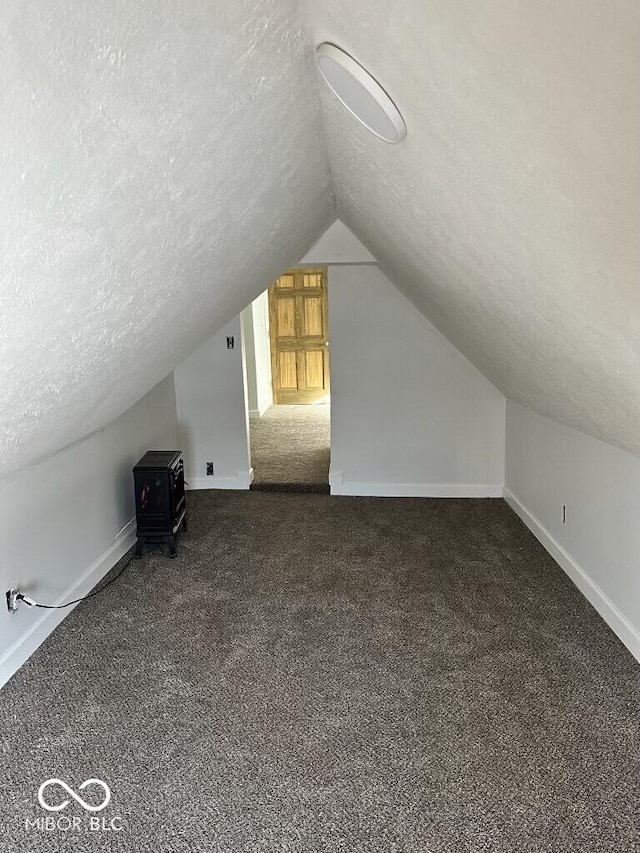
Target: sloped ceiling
[[159, 165], [510, 213], [161, 162]]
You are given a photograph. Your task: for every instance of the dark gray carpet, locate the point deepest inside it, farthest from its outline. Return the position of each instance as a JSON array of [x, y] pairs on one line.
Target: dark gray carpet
[[290, 449], [333, 674]]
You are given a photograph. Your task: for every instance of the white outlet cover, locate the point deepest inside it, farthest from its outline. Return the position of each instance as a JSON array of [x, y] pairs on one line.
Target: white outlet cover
[[357, 90]]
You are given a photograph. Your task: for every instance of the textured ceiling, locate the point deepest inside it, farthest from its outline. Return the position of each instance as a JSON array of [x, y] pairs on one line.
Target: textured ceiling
[[159, 165], [161, 162], [510, 213]]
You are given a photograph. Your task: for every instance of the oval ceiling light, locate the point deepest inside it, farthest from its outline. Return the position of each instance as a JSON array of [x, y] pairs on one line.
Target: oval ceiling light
[[356, 89]]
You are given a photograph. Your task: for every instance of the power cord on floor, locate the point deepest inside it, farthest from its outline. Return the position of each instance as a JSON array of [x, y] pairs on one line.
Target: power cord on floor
[[31, 603]]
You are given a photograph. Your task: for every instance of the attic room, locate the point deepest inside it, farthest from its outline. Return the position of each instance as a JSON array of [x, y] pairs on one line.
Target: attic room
[[439, 650]]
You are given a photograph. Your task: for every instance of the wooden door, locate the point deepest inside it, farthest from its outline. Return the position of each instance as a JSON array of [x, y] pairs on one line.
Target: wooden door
[[299, 341]]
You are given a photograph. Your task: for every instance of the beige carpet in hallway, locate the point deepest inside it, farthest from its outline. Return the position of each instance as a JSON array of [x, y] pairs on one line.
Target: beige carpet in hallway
[[290, 448]]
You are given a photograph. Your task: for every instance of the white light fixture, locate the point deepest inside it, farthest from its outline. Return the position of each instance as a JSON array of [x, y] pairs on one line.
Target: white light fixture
[[356, 89]]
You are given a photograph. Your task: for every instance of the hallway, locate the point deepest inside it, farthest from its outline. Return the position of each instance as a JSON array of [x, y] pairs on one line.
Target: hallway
[[290, 449]]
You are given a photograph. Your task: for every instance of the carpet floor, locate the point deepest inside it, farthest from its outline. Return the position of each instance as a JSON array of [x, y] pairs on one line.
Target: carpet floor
[[290, 449], [319, 673]]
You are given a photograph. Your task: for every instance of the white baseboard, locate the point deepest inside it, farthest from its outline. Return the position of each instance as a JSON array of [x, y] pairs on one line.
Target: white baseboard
[[242, 480], [43, 625], [256, 414], [340, 486], [616, 620]]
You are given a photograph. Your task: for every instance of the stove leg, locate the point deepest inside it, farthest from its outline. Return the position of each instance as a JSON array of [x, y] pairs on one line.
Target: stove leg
[[137, 555], [184, 523], [173, 552]]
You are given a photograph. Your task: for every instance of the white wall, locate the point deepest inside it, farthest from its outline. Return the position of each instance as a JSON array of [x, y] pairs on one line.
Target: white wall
[[67, 521], [548, 464], [257, 350], [409, 414], [212, 415], [338, 245]]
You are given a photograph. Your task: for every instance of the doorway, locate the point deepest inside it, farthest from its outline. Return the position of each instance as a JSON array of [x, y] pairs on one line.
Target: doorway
[[299, 337], [290, 439]]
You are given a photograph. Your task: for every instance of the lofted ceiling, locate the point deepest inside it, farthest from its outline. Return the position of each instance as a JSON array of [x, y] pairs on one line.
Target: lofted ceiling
[[160, 163], [510, 214], [159, 166]]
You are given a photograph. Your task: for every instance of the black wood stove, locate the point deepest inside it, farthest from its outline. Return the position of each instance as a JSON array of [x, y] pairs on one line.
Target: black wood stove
[[160, 504]]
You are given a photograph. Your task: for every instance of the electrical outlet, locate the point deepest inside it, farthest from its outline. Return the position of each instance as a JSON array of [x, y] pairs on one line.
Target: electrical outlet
[[564, 513], [12, 600], [209, 469]]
